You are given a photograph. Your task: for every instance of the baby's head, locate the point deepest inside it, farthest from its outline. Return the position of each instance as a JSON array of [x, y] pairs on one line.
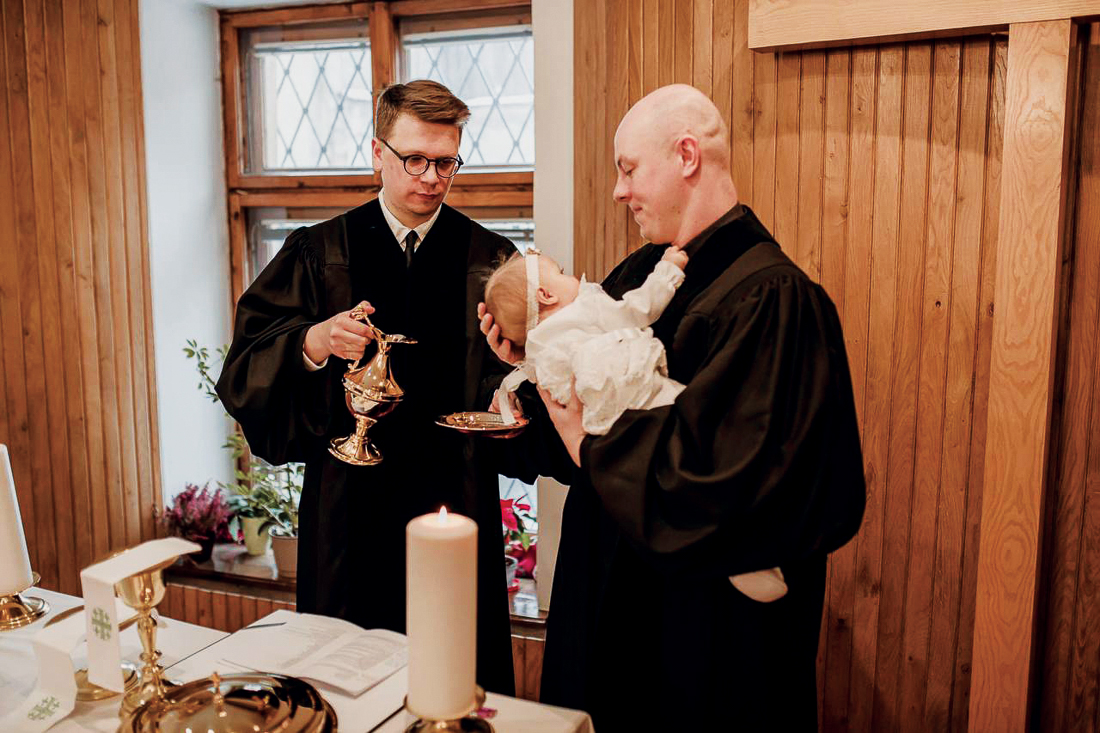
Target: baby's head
[[506, 294]]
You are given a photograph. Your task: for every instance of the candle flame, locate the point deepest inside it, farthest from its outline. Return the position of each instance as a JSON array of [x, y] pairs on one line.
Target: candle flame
[[442, 515]]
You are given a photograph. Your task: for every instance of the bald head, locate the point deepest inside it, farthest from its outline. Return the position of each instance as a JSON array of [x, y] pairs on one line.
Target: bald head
[[672, 160], [664, 116]]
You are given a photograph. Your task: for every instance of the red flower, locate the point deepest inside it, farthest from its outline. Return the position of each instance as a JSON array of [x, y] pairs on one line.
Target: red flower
[[508, 515], [525, 557]]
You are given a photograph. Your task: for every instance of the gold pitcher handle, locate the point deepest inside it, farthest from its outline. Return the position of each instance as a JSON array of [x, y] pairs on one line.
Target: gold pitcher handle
[[360, 315]]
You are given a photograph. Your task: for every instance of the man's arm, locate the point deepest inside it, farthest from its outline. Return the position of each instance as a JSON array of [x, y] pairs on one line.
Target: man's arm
[[644, 304], [264, 384]]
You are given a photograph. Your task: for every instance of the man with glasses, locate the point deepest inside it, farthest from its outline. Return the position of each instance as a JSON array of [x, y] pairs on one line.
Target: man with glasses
[[418, 268]]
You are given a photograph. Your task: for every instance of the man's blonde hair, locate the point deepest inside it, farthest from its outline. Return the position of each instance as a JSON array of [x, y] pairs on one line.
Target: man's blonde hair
[[506, 299], [428, 101]]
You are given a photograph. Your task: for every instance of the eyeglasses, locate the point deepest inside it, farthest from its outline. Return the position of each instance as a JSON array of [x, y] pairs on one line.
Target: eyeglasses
[[417, 165]]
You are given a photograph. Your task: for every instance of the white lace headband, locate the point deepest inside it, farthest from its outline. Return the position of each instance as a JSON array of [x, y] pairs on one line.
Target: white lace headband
[[532, 261]]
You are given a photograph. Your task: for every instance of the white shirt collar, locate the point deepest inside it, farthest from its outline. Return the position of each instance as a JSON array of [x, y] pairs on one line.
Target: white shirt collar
[[400, 231]]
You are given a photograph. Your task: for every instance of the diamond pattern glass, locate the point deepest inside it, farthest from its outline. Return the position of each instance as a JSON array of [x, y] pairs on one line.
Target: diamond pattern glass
[[316, 105], [493, 72]]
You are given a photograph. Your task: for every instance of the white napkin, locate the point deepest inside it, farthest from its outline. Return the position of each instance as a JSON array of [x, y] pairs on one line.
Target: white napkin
[[54, 694], [98, 582]]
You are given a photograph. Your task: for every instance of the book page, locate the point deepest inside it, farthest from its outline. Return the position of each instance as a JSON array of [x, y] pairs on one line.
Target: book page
[[331, 651]]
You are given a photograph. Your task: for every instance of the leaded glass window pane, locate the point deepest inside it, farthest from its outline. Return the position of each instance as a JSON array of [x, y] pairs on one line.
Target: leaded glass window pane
[[492, 71], [310, 99]]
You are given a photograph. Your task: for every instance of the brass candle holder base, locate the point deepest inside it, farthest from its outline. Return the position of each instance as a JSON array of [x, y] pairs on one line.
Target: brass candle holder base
[[464, 724], [17, 611]]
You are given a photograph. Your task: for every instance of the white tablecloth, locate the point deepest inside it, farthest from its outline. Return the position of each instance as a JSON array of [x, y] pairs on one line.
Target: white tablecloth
[[195, 650]]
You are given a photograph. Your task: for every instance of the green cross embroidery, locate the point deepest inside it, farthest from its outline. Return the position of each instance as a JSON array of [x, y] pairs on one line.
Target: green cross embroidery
[[44, 709], [101, 624]]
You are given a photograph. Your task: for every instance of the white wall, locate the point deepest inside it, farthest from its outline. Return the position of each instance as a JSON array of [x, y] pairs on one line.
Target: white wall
[[188, 230], [552, 21]]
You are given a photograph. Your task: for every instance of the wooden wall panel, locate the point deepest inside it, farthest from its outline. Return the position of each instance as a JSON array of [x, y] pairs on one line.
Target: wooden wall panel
[[1038, 129], [1070, 594], [878, 169], [78, 409], [216, 609]]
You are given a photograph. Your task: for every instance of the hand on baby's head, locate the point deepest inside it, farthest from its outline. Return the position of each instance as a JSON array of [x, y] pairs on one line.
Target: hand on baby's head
[[676, 256]]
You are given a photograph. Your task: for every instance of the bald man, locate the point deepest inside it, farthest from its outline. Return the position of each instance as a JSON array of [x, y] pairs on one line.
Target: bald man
[[757, 464]]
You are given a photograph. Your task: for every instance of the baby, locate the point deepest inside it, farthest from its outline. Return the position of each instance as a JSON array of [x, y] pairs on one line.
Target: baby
[[577, 337], [573, 333]]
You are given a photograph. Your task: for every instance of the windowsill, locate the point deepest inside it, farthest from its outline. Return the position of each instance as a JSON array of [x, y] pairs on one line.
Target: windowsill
[[231, 569], [523, 605]]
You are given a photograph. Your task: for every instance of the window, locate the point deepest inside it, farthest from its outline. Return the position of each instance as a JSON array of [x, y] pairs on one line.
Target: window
[[308, 95], [299, 85], [492, 70]]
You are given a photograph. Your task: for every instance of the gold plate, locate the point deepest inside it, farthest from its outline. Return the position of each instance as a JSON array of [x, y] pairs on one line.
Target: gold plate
[[489, 424], [253, 701]]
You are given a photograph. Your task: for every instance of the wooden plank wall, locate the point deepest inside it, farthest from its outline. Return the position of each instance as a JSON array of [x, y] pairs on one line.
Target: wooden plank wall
[[216, 609], [1069, 592], [878, 170], [77, 397]]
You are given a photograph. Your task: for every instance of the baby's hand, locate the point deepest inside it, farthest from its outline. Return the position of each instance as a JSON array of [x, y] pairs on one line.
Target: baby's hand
[[676, 256]]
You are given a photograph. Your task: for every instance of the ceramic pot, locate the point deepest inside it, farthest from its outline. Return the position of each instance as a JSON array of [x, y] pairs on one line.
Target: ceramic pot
[[256, 537], [286, 554]]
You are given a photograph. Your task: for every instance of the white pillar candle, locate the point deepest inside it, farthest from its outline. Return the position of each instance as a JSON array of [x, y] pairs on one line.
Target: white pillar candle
[[441, 603], [15, 563]]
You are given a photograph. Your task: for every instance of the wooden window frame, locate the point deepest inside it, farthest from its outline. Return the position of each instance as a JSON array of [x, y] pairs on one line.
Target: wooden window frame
[[245, 190]]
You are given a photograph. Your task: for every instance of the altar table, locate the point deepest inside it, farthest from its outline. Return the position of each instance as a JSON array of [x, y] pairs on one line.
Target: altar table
[[190, 652]]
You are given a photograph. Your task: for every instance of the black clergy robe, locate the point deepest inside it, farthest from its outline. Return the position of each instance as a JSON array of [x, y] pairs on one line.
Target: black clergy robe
[[756, 465], [351, 547]]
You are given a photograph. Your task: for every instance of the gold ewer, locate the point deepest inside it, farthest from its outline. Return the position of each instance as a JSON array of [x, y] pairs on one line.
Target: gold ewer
[[143, 592], [371, 393]]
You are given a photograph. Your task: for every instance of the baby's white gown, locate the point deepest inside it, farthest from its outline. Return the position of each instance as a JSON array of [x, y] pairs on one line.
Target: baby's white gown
[[608, 347]]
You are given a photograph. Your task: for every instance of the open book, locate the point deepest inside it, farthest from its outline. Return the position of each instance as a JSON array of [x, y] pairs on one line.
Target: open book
[[331, 651]]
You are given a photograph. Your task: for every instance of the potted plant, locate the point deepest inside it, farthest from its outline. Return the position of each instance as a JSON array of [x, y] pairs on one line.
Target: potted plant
[[519, 541], [267, 497], [264, 497], [199, 515], [284, 537]]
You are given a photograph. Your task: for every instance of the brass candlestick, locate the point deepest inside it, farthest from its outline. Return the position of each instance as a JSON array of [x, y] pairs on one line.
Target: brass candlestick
[[464, 724], [371, 393], [16, 611], [143, 592]]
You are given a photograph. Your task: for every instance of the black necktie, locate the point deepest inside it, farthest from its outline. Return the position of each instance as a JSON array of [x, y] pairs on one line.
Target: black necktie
[[410, 247]]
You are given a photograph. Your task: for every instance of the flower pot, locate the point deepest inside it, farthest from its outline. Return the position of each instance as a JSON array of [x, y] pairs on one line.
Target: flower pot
[[207, 545], [285, 549], [510, 564], [256, 537]]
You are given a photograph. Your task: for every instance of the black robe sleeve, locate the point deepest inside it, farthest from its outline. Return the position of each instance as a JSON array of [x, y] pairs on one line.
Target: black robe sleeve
[[282, 407], [758, 462]]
